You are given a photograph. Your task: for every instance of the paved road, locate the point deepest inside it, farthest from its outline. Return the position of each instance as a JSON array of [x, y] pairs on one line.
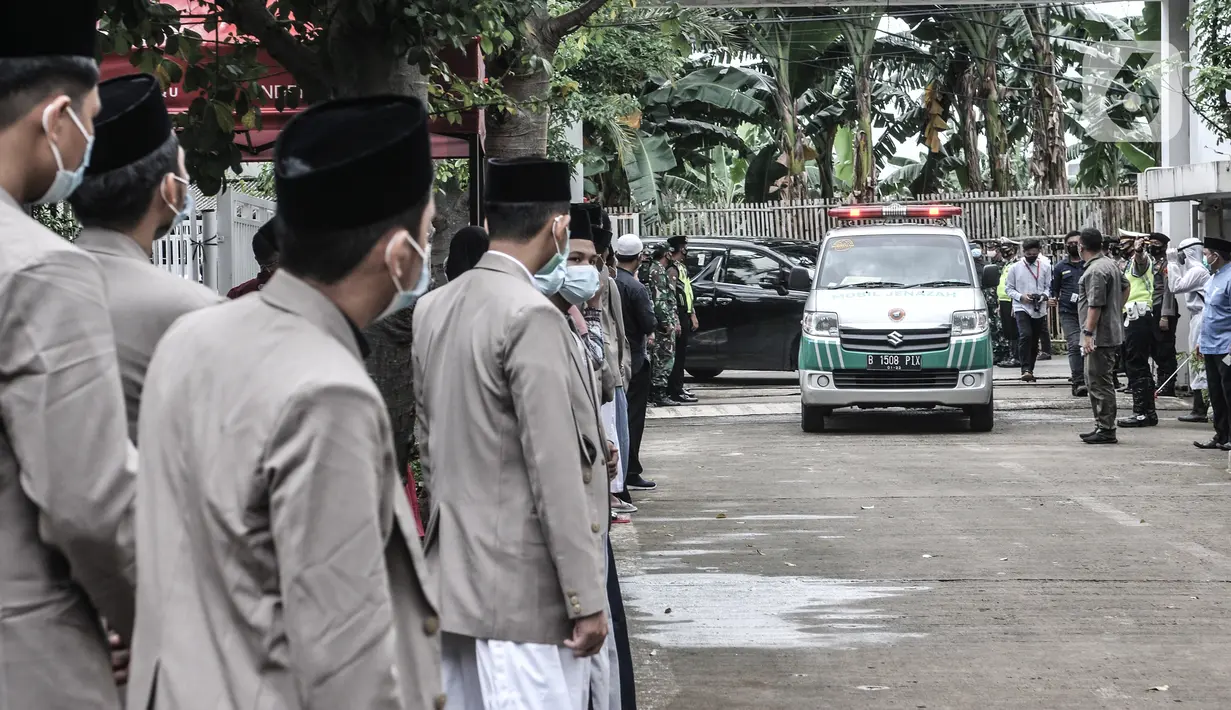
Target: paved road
[[904, 562]]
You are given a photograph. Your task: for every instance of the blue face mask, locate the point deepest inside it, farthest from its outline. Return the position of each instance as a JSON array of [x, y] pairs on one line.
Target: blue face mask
[[406, 298], [976, 252], [550, 278], [580, 284], [66, 181], [1206, 263], [189, 207]]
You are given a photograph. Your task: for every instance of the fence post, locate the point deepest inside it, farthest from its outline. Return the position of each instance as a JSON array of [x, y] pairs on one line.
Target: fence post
[[209, 248], [224, 228]]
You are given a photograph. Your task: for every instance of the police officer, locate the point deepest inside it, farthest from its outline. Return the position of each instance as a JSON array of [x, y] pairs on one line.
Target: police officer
[[1165, 316], [135, 191], [66, 467], [1066, 281], [678, 271], [1139, 335], [666, 311], [1006, 345]]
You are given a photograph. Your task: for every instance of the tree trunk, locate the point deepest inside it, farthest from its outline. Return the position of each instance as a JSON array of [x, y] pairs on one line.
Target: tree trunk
[[865, 161], [1049, 157], [824, 160], [523, 133], [970, 131], [998, 158]]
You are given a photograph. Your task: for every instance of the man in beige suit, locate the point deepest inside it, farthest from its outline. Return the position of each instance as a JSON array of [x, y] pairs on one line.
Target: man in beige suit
[[279, 563], [66, 467], [514, 532], [135, 190]]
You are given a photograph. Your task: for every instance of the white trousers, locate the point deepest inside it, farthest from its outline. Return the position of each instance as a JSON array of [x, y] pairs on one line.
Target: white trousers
[[482, 674], [612, 433], [1198, 380]]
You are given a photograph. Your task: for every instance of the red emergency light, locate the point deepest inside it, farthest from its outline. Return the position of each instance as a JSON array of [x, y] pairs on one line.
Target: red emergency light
[[895, 210]]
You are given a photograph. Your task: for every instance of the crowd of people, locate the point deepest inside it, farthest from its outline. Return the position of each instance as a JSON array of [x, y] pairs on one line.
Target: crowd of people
[[200, 498], [1118, 304]]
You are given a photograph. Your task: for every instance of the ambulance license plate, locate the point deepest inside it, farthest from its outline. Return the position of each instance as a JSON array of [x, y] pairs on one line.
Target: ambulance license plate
[[895, 362]]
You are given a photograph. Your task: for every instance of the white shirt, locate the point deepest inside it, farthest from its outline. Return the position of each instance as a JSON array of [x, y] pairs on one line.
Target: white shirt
[[1026, 279]]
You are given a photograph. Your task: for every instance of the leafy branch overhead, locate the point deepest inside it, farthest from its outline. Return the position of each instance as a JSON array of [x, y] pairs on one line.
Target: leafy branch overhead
[[330, 48]]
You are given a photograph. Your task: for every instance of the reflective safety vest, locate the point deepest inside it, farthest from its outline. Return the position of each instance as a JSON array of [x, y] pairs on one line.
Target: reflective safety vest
[[1140, 288], [687, 284], [1001, 293]]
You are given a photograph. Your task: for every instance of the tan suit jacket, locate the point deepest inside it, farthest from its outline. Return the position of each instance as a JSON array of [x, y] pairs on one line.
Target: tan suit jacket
[[618, 368], [279, 564], [512, 534], [584, 392], [66, 475], [144, 301]]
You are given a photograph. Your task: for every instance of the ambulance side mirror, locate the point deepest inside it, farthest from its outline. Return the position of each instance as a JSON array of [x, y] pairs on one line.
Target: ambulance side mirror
[[799, 279], [991, 276]]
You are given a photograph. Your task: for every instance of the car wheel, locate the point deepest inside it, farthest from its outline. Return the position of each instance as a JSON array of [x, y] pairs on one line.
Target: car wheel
[[701, 375], [983, 417], [812, 419]]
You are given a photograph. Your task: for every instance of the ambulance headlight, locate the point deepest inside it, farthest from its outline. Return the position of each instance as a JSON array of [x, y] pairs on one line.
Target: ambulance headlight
[[821, 324], [969, 322]]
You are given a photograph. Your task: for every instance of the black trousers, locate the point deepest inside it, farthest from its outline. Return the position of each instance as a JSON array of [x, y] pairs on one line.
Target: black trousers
[[638, 399], [1028, 328], [1163, 351], [1008, 324], [675, 383], [1138, 345], [619, 622]]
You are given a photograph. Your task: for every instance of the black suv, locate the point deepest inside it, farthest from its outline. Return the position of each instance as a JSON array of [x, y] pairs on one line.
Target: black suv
[[749, 297]]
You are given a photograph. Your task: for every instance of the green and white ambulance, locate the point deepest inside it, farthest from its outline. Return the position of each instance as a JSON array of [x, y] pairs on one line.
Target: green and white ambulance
[[896, 317]]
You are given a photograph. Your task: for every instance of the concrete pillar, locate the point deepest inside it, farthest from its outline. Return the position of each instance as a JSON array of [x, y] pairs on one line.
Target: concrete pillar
[[574, 136], [1175, 219]]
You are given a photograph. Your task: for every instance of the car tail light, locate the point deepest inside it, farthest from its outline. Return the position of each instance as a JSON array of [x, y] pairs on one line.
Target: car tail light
[[895, 210]]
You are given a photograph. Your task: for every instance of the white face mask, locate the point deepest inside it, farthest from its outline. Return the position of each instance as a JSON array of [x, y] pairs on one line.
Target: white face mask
[[181, 213], [66, 181], [405, 298]]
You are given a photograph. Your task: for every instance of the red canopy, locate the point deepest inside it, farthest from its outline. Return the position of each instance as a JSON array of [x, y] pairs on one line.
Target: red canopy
[[449, 140]]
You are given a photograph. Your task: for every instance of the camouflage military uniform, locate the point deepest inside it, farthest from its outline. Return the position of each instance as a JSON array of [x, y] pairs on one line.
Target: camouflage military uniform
[[662, 357]]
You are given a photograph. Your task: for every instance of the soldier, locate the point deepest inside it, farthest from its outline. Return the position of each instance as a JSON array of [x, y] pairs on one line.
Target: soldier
[[66, 466], [271, 516], [666, 311], [514, 471], [135, 191]]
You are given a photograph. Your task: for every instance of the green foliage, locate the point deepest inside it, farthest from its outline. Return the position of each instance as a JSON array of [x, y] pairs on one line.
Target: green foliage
[[1211, 78], [59, 218], [310, 38]]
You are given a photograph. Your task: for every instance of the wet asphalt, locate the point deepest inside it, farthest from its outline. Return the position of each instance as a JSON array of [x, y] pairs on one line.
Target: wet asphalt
[[901, 561]]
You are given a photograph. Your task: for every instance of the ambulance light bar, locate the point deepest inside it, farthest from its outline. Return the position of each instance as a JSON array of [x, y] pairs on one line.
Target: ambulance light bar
[[895, 210]]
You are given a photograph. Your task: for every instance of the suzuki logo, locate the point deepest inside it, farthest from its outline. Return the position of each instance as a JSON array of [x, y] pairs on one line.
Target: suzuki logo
[[895, 338]]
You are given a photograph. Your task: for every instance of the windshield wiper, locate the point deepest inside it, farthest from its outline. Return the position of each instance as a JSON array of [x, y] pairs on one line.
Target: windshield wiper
[[869, 284], [938, 284]]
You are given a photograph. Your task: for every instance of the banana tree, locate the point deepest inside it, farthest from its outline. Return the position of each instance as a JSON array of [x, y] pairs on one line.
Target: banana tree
[[860, 39]]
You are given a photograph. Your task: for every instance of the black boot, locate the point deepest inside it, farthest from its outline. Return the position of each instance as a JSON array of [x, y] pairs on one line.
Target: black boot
[[1167, 390], [1143, 410], [1201, 410]]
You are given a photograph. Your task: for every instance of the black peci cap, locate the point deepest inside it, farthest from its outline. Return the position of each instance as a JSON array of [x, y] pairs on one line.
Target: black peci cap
[[528, 180], [48, 28], [353, 162], [579, 226], [1217, 244], [131, 124]]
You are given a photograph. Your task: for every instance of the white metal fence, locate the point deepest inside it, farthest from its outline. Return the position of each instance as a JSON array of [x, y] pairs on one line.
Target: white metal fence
[[214, 246]]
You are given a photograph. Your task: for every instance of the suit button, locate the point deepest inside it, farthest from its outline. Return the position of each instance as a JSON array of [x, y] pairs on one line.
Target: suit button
[[594, 527], [431, 625], [574, 600], [587, 477], [440, 701]]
